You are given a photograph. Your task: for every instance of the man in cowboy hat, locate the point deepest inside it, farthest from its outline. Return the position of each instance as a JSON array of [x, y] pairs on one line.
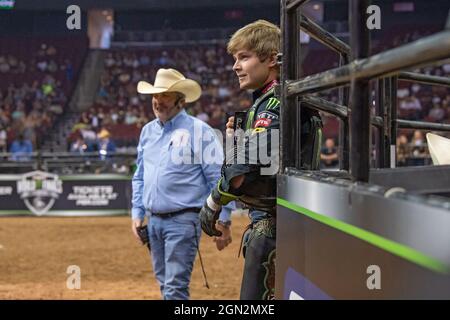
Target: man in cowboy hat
[[170, 189], [105, 145]]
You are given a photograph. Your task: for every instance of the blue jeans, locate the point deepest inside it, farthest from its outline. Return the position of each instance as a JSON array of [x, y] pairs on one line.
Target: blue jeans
[[174, 243]]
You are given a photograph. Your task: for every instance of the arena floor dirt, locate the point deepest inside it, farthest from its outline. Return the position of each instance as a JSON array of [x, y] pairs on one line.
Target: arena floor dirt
[[35, 253]]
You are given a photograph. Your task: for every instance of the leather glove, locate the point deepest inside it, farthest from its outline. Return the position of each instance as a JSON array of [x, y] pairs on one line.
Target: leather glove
[[208, 216]]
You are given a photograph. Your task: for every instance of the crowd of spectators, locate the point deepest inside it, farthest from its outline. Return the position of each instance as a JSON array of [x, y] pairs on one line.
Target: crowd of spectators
[[424, 102], [10, 64], [418, 102], [119, 108], [415, 101], [412, 150], [29, 108]]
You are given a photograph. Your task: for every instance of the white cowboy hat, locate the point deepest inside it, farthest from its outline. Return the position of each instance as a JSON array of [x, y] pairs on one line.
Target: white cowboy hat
[[439, 149], [170, 80]]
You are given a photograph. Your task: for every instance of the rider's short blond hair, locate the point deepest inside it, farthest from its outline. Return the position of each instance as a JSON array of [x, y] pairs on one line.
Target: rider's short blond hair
[[261, 37]]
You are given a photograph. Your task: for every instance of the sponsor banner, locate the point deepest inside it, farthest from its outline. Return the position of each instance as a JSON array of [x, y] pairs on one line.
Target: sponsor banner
[[41, 193], [7, 4]]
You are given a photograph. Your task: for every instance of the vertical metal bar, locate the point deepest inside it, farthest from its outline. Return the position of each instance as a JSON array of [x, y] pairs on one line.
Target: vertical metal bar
[[393, 148], [359, 115], [387, 121], [297, 142], [298, 72], [288, 122], [343, 123], [380, 137], [373, 152]]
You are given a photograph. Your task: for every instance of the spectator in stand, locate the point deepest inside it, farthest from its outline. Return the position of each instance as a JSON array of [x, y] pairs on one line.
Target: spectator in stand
[[42, 65], [47, 89], [21, 149], [52, 66], [412, 107], [217, 119], [115, 115], [94, 121], [83, 123], [144, 60], [90, 137], [30, 123], [130, 116], [4, 115], [142, 120], [436, 114], [109, 61], [418, 144], [102, 92], [3, 139], [19, 113], [51, 51], [79, 146], [69, 70], [329, 155], [403, 150], [13, 62], [4, 66], [107, 120]]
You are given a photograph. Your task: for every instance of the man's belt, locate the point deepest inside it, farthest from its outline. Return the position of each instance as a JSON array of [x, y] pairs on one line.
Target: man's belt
[[175, 213]]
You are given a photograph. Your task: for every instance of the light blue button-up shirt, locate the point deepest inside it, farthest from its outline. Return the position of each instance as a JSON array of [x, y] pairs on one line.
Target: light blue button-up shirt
[[178, 164]]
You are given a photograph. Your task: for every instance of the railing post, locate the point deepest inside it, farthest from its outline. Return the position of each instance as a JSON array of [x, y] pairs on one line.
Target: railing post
[[288, 147], [380, 137], [359, 109], [387, 121], [344, 123], [393, 124]]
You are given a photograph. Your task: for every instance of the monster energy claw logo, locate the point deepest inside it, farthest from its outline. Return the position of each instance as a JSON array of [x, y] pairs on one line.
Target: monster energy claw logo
[[272, 103], [39, 190]]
